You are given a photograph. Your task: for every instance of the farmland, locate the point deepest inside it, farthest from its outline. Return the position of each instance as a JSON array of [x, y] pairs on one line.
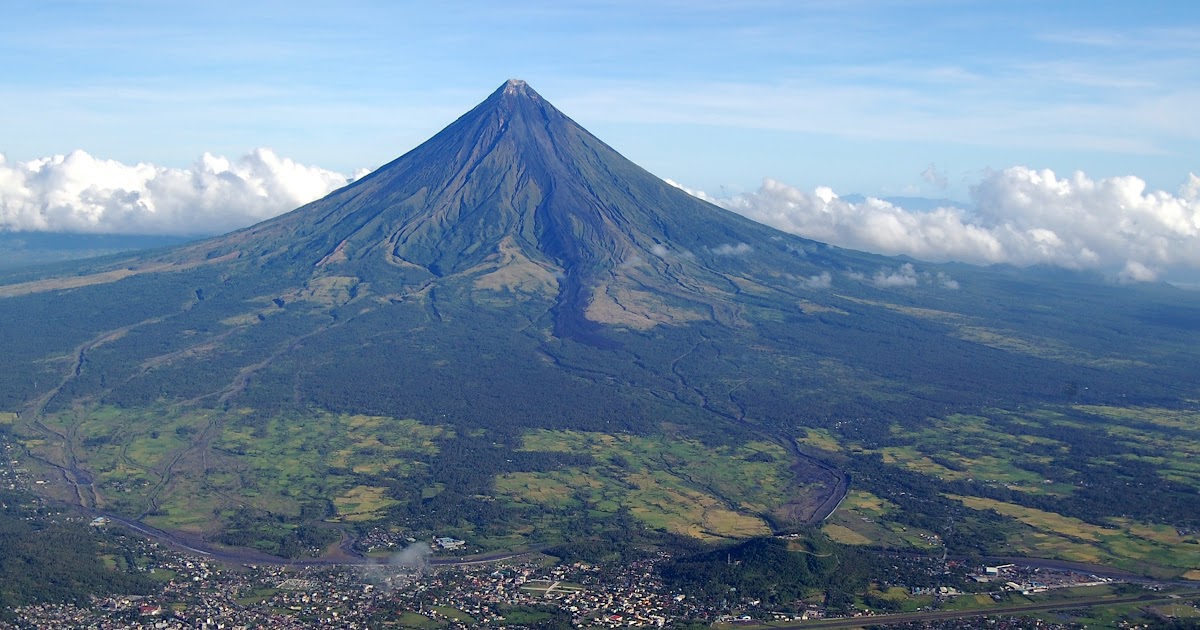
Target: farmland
[[1038, 478]]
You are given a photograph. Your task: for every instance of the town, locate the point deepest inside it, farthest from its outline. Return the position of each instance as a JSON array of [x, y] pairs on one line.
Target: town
[[527, 591], [432, 584]]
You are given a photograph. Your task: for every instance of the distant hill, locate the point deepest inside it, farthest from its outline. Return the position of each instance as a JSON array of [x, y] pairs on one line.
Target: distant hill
[[25, 249], [919, 204], [513, 335]]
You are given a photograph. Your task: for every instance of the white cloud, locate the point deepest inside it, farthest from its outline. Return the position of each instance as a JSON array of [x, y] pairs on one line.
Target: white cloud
[[1135, 271], [729, 249], [1022, 216], [935, 177], [946, 282], [80, 193], [822, 281], [905, 276]]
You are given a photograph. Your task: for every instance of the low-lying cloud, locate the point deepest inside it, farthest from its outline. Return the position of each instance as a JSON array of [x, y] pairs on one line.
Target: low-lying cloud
[[1021, 216], [81, 193], [1018, 215], [904, 276], [820, 281], [731, 249]]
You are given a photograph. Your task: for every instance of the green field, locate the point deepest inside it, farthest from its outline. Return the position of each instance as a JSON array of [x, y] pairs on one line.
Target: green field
[[863, 519], [179, 468], [679, 486], [1041, 480]]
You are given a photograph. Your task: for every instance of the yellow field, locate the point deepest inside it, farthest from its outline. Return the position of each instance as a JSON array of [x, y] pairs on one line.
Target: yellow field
[[866, 503], [812, 307], [1046, 521], [328, 290], [363, 503], [688, 512], [680, 486], [7, 417], [249, 319], [1163, 417], [540, 488], [820, 438], [1126, 544], [845, 535]]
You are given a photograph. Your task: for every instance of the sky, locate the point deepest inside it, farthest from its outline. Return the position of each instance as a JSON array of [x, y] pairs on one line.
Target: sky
[[1056, 132]]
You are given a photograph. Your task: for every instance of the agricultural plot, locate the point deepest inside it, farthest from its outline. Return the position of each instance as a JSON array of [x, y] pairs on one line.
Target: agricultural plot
[[1108, 485], [964, 447], [325, 456], [1127, 545], [679, 486], [363, 503], [863, 519], [178, 469]]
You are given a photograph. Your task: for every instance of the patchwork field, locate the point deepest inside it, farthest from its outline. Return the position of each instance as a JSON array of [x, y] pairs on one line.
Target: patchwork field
[[1130, 546], [677, 485], [207, 472], [180, 468], [863, 519], [1057, 483]]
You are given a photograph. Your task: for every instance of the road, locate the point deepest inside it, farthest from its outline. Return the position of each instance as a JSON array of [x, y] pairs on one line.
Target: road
[[241, 555], [881, 620]]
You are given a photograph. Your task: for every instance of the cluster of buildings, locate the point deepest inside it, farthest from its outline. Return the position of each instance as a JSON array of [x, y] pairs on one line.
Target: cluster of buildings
[[197, 593], [1027, 580]]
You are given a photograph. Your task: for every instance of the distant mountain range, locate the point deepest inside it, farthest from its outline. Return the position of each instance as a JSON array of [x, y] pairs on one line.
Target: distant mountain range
[[24, 249], [920, 204]]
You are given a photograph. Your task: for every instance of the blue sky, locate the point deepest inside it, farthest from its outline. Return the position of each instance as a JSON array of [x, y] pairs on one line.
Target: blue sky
[[860, 96], [1068, 130]]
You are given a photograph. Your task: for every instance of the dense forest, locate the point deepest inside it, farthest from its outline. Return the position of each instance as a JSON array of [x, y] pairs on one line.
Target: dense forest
[[772, 571], [45, 561]]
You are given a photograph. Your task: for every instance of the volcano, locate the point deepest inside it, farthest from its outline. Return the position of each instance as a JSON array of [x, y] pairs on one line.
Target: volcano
[[520, 199], [515, 335]]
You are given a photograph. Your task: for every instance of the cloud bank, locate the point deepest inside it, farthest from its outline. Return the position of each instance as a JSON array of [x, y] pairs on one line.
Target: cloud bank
[[1021, 216], [82, 193]]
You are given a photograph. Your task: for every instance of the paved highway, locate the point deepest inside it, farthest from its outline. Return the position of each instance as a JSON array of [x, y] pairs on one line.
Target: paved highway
[[883, 620]]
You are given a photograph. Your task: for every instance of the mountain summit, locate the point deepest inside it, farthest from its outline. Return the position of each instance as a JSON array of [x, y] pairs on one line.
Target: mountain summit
[[519, 197]]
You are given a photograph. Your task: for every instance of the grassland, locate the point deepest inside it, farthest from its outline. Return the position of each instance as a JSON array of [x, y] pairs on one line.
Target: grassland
[[863, 519], [197, 470], [1004, 463], [179, 468], [1133, 546], [679, 486]]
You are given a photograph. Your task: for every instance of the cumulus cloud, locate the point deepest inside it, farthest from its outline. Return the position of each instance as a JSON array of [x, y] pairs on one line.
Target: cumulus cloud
[[821, 281], [81, 193], [662, 251], [946, 282], [1021, 216], [730, 249], [935, 177], [904, 276]]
